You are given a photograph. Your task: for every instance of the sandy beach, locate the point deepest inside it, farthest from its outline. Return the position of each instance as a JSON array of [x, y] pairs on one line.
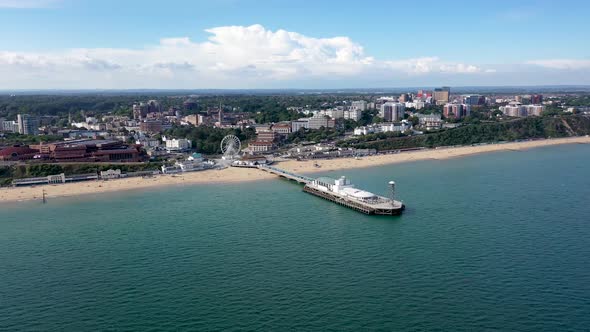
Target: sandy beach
[[232, 175]]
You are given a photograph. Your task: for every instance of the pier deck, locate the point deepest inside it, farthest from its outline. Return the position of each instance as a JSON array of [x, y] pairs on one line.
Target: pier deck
[[384, 209], [379, 207], [287, 175]]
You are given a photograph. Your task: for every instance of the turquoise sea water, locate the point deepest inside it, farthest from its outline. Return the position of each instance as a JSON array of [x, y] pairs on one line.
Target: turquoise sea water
[[490, 242]]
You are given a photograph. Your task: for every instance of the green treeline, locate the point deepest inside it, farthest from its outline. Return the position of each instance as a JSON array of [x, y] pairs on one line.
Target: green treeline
[[532, 127], [11, 139]]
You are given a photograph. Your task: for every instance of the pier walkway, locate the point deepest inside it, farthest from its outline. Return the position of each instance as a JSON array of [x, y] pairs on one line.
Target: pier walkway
[[285, 174]]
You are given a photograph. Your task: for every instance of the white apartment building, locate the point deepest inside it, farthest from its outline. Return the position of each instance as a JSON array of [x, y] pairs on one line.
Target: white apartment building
[[353, 114], [317, 121], [417, 104], [520, 111], [148, 142], [334, 113], [383, 128], [177, 145], [9, 126], [298, 124], [430, 121], [360, 105]]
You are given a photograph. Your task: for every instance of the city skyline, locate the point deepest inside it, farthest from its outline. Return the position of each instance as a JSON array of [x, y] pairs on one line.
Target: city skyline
[[234, 44]]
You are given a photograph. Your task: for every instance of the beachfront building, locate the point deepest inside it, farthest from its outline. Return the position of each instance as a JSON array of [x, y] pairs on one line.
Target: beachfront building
[[265, 142], [189, 165], [110, 174], [51, 179], [55, 179], [261, 146], [251, 161]]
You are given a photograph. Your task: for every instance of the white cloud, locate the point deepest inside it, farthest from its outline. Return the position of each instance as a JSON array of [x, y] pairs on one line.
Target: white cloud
[[427, 65], [27, 4], [233, 56], [562, 64]]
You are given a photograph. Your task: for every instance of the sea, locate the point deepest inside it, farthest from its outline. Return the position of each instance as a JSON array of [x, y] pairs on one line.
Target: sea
[[490, 242]]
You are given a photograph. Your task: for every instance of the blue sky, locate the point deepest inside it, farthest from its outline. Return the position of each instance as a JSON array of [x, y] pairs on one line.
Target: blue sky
[[170, 44]]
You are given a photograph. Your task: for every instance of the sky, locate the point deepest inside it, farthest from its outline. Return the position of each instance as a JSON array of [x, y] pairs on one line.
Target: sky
[[235, 44]]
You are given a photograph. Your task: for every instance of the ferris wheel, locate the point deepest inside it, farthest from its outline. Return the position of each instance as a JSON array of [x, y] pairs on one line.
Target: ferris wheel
[[230, 146]]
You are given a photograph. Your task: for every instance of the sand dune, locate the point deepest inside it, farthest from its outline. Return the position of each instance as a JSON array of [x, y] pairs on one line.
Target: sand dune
[[231, 175]]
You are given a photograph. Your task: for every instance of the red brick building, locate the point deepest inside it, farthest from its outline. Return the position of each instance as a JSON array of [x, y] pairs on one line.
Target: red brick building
[[17, 153], [89, 151]]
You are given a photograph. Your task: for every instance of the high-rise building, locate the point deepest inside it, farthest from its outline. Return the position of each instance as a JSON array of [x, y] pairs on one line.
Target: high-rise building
[[404, 97], [391, 111], [456, 110], [535, 110], [520, 111], [9, 126], [360, 105], [442, 95], [423, 94], [536, 99], [153, 106], [27, 124], [192, 119], [474, 100]]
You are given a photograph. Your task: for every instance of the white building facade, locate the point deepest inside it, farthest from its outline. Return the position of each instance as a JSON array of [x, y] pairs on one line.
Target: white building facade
[[178, 145]]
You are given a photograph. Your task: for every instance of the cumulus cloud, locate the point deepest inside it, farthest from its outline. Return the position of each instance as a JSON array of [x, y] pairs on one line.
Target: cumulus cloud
[[427, 65], [562, 64], [232, 56]]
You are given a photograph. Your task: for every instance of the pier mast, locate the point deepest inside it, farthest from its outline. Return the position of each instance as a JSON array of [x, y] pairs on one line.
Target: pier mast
[[392, 185]]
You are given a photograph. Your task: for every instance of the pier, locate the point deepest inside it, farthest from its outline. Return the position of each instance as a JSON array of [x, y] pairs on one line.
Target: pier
[[343, 193], [287, 175]]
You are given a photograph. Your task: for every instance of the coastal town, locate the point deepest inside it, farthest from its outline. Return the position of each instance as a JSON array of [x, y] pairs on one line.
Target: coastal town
[[174, 135]]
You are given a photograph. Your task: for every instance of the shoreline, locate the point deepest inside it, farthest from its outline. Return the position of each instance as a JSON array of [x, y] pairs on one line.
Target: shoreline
[[236, 175]]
